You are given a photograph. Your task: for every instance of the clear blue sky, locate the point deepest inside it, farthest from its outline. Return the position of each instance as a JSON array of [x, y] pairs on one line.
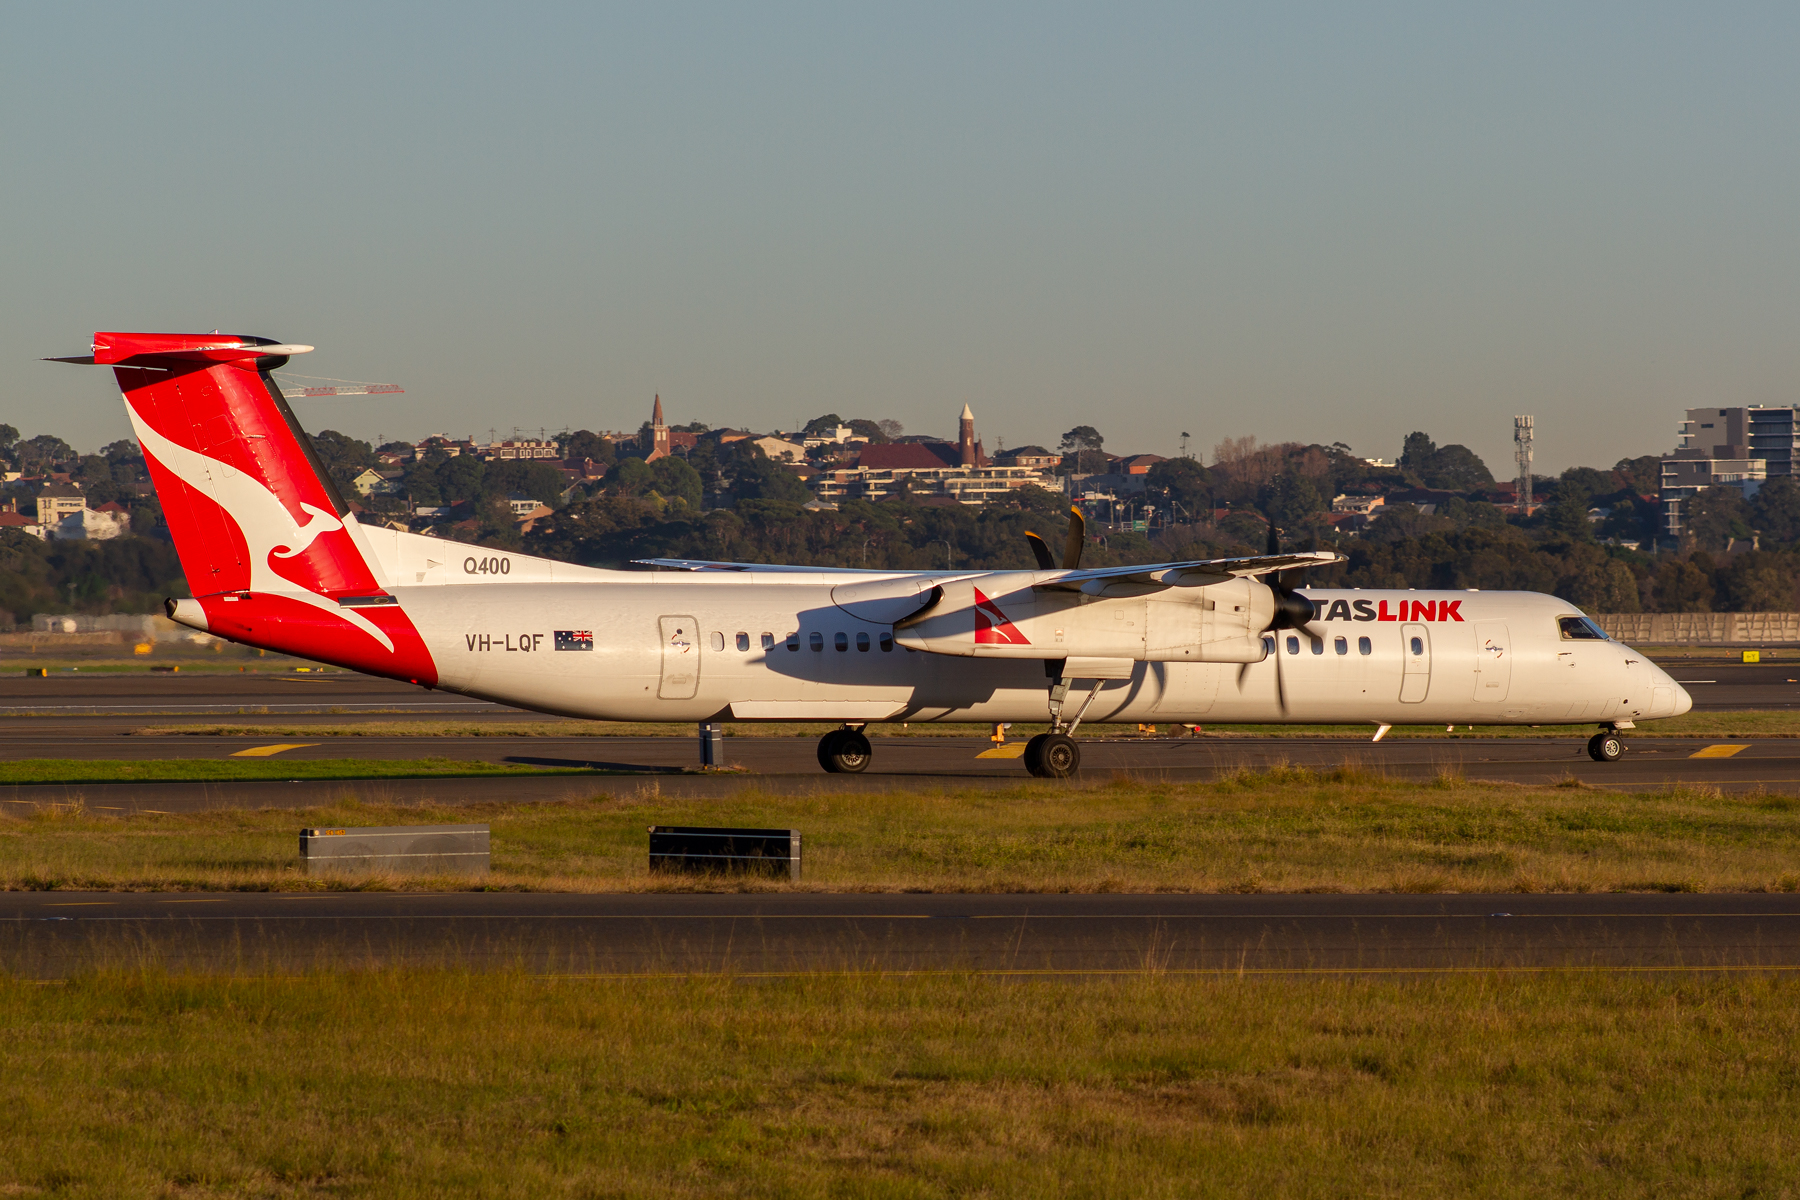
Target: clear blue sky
[[1316, 222]]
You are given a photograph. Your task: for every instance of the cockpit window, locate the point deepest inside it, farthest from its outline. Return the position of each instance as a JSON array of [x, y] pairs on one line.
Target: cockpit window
[[1579, 629]]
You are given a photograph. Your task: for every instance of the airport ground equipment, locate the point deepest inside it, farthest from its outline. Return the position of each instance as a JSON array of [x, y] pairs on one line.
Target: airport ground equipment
[[699, 850], [395, 849]]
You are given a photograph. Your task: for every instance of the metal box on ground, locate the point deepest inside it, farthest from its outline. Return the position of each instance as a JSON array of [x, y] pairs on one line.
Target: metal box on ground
[[695, 850], [399, 849]]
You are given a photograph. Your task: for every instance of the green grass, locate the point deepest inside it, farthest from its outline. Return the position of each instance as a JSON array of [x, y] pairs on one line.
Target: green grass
[[78, 771], [1283, 830], [421, 1085]]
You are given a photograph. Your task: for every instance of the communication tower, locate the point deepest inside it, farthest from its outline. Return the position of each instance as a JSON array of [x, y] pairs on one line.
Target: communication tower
[[1522, 456]]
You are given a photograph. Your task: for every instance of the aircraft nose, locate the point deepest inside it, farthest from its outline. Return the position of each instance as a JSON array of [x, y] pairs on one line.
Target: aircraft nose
[[1683, 701]]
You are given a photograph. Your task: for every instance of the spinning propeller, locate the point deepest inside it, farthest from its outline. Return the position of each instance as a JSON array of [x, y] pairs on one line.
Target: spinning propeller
[[1292, 611]]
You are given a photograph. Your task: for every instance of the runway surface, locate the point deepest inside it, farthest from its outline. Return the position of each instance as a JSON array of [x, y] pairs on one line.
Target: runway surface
[[667, 766], [99, 716], [56, 934]]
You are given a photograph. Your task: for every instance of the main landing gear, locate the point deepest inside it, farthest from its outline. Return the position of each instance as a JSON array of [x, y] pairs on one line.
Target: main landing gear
[[845, 751], [1055, 755], [1606, 746]]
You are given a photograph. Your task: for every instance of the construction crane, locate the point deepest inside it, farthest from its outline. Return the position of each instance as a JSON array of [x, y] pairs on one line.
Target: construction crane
[[336, 387]]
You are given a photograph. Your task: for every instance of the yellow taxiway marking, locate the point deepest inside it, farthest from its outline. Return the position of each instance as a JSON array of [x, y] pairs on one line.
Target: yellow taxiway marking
[[265, 751], [1717, 751], [1009, 750]]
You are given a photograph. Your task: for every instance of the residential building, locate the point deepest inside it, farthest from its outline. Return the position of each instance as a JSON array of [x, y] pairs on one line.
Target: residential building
[[1035, 457], [781, 449], [516, 448], [835, 437], [58, 500], [1361, 505], [1725, 447], [1136, 464], [955, 471], [522, 505], [373, 482], [12, 520], [91, 524]]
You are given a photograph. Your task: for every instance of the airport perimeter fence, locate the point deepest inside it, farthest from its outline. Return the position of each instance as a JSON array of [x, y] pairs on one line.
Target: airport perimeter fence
[[1702, 629]]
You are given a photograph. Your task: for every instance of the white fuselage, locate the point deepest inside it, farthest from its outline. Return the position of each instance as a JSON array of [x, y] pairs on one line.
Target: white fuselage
[[724, 645]]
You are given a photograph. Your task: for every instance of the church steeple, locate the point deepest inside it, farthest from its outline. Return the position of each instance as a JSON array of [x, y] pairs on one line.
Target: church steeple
[[968, 448], [659, 434]]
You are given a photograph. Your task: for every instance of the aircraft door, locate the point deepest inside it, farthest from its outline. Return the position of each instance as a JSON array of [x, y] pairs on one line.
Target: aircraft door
[[1415, 646], [1493, 662], [680, 658]]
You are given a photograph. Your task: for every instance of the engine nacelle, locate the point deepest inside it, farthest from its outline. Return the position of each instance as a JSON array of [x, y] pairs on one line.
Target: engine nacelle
[[1218, 622]]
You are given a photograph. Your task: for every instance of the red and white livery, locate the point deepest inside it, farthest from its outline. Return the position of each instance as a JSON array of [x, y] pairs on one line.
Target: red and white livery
[[276, 559]]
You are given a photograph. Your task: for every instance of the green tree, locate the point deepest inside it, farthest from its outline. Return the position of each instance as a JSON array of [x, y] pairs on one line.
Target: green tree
[[585, 444], [1416, 452], [822, 426], [1684, 587], [1084, 450], [1642, 475], [343, 456], [1180, 481], [9, 437], [1457, 469], [676, 480], [1775, 511], [864, 428]]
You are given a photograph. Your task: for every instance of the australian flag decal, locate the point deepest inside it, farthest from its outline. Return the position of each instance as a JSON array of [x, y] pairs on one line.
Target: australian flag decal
[[574, 639]]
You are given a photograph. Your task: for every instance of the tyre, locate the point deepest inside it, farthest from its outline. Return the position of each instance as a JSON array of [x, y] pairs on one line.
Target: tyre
[[1605, 747], [844, 752], [1052, 756], [1034, 755]]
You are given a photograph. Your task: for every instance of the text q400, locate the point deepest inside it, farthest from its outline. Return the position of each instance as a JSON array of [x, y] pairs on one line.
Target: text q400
[[487, 566]]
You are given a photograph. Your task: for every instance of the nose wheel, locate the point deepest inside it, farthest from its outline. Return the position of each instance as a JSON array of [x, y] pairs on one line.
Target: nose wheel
[[845, 752], [1605, 746], [1052, 756]]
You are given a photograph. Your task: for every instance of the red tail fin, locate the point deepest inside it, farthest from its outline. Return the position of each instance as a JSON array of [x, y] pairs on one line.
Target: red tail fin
[[268, 544]]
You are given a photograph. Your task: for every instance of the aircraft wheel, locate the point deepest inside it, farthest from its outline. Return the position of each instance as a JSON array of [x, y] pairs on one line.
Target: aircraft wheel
[[844, 752], [1605, 747], [1052, 756]]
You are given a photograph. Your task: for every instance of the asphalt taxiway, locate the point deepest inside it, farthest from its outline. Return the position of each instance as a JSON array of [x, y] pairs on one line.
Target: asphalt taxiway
[[57, 934]]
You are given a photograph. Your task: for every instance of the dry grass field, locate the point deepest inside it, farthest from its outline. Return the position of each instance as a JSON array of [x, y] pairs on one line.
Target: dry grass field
[[1284, 830], [424, 1085]]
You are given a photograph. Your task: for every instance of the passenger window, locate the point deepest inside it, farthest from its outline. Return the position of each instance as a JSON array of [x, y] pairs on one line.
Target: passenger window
[[1318, 645], [768, 641], [718, 640], [816, 641], [862, 643], [841, 641], [793, 641], [1293, 645], [1341, 645], [887, 643], [743, 640], [1418, 647], [1364, 646], [1579, 629]]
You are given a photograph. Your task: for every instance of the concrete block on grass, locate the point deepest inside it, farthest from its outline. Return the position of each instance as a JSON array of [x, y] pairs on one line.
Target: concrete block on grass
[[396, 850]]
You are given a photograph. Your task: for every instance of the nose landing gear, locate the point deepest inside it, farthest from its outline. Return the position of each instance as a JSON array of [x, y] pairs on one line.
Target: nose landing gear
[[1606, 746], [845, 751]]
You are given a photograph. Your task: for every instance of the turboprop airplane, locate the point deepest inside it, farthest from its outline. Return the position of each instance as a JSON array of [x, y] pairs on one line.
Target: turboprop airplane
[[276, 559]]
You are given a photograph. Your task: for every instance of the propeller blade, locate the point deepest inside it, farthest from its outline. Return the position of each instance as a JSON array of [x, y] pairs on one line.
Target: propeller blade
[[1077, 539], [1040, 551], [1280, 680], [1274, 539]]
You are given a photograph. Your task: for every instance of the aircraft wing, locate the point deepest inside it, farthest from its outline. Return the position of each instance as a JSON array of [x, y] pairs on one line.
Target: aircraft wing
[[702, 564], [1190, 573]]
